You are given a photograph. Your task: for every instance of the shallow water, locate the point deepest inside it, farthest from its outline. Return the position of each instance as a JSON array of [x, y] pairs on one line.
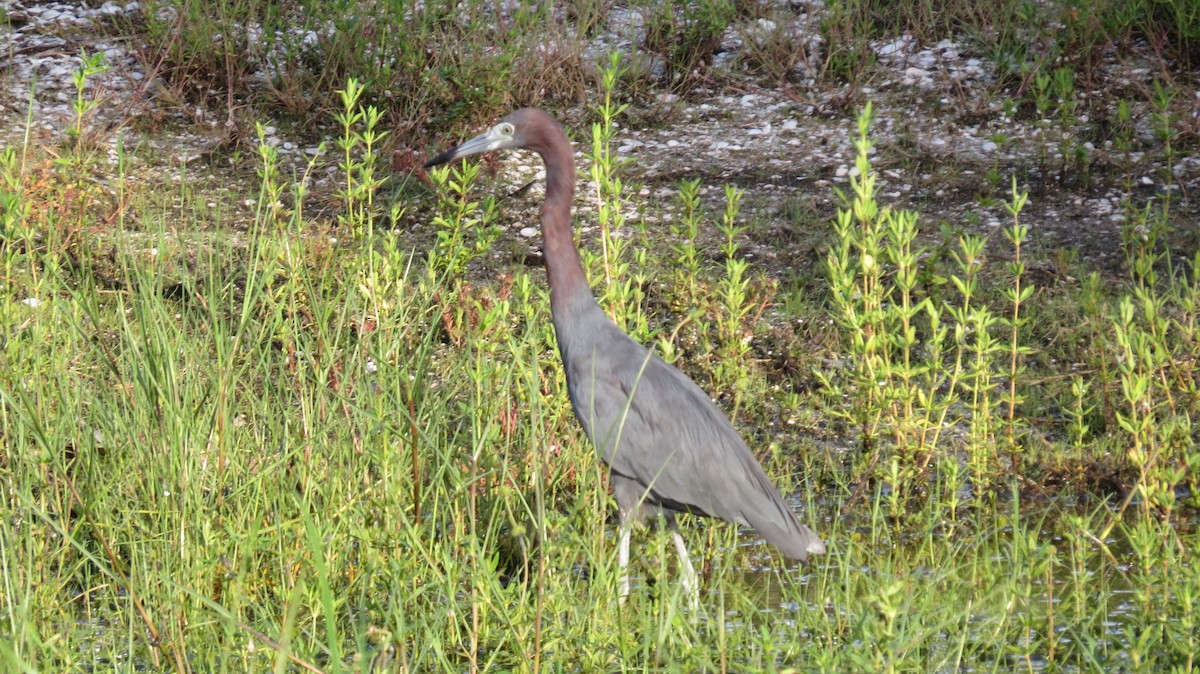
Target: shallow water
[[984, 637]]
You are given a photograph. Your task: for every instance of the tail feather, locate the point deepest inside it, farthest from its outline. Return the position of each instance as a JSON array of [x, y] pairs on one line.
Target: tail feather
[[793, 539], [767, 512]]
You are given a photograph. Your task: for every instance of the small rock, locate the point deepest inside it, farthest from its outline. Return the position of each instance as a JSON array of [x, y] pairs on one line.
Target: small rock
[[894, 47], [528, 232]]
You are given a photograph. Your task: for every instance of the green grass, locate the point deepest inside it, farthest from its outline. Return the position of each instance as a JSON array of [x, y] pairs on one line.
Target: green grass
[[313, 446], [292, 453]]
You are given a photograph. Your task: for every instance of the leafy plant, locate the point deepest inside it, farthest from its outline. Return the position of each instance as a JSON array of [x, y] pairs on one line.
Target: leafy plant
[[458, 217]]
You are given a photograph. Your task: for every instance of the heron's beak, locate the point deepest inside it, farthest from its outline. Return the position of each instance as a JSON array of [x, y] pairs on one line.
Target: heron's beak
[[484, 142]]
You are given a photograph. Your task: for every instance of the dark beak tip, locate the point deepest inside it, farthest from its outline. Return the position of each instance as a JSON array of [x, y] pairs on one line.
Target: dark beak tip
[[441, 158]]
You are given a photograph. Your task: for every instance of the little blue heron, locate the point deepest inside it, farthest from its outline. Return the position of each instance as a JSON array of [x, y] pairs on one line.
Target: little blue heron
[[668, 448]]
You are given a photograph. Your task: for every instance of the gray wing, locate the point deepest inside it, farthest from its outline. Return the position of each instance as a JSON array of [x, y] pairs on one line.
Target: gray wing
[[652, 425]]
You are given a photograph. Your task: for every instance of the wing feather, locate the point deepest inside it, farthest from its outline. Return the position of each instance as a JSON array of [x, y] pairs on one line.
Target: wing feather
[[652, 425]]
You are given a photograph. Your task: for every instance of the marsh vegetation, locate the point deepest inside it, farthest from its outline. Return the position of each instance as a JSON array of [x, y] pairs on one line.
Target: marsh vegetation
[[301, 411]]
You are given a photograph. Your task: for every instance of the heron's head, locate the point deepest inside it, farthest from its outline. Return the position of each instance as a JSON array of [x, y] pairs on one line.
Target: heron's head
[[524, 128]]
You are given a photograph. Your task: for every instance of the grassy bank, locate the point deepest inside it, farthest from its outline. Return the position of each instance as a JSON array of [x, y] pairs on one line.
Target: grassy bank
[[438, 66], [241, 435]]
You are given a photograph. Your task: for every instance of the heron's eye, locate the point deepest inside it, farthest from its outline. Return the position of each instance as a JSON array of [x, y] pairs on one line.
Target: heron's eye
[[506, 129]]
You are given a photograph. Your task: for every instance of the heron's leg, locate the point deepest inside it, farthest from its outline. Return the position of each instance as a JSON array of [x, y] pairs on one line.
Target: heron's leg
[[623, 557], [691, 584]]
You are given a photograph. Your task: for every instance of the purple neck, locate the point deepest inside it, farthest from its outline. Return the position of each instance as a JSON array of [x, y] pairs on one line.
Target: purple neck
[[568, 283]]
